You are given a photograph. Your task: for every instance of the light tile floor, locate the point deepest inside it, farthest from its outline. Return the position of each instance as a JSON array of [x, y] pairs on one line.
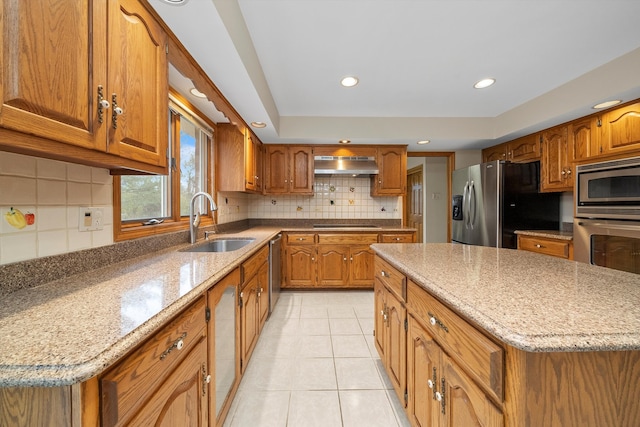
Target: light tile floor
[[315, 364]]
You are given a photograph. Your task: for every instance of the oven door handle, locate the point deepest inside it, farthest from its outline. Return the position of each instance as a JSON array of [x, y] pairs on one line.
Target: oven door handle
[[609, 225]]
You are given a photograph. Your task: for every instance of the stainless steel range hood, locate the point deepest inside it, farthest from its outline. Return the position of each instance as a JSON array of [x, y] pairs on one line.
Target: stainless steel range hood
[[345, 165]]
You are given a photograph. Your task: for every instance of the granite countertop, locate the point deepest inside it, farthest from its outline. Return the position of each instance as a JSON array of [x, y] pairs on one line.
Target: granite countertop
[[549, 234], [529, 301], [69, 330]]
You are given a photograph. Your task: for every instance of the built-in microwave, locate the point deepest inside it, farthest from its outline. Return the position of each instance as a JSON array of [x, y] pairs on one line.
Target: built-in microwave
[[609, 190]]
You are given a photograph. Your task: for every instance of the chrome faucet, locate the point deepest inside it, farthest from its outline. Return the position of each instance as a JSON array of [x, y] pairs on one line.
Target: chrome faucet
[[195, 222]]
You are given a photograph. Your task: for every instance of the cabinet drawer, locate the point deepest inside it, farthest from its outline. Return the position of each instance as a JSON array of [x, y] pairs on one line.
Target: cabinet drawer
[[396, 238], [558, 248], [250, 267], [301, 238], [126, 387], [477, 354], [347, 239], [391, 277]]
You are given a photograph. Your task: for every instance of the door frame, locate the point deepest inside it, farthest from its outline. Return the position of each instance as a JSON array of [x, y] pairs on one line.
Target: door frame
[[451, 161]]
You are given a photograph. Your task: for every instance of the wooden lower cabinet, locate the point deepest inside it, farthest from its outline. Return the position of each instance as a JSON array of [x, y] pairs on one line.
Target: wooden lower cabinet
[[326, 260], [560, 248], [439, 393], [254, 302], [164, 380], [390, 323]]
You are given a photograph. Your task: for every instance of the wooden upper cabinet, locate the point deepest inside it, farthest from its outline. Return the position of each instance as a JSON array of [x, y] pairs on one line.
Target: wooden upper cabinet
[[392, 177], [288, 169], [60, 56], [53, 59], [556, 167], [525, 149], [239, 160], [497, 152], [138, 84], [620, 130], [583, 138]]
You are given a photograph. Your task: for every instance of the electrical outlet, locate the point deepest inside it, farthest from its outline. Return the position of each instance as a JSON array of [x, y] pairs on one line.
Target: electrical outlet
[[90, 219]]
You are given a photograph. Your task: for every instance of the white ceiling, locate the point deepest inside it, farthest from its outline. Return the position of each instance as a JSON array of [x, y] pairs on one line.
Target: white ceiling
[[280, 62]]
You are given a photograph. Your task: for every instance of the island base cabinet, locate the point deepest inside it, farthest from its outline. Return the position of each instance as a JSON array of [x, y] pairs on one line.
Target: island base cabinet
[[585, 389], [391, 336], [439, 393]]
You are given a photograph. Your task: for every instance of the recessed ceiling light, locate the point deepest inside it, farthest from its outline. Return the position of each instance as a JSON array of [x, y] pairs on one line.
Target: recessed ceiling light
[[258, 124], [484, 83], [349, 81], [607, 104], [195, 92], [175, 2], [424, 141], [344, 141]]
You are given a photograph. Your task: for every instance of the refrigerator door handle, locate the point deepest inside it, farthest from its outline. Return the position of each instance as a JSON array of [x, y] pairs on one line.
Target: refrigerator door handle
[[472, 205], [465, 203]]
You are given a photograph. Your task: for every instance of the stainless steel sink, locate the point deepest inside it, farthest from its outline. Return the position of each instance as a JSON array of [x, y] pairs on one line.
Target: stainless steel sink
[[220, 245]]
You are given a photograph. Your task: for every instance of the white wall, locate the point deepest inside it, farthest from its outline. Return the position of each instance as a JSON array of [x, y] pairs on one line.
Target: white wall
[[54, 192], [468, 158], [436, 200]]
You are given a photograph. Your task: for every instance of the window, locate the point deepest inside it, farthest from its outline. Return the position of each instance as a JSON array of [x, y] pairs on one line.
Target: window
[[167, 198]]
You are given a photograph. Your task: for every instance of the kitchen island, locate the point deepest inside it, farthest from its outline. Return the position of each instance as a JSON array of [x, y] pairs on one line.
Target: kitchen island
[[538, 340]]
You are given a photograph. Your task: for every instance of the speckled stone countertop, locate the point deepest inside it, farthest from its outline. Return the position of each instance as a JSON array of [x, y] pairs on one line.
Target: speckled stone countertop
[[70, 330], [529, 301], [549, 234]]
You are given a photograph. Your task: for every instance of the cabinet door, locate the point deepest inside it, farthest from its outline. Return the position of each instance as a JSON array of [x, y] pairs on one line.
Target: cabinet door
[[392, 177], [263, 295], [380, 317], [497, 152], [53, 60], [621, 129], [361, 268], [555, 174], [138, 84], [583, 139], [258, 155], [396, 346], [182, 399], [248, 319], [463, 402], [301, 266], [423, 362], [301, 170], [333, 265], [276, 170], [524, 149]]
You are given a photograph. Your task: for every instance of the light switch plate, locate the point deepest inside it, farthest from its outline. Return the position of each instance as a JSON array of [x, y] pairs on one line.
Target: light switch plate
[[90, 219]]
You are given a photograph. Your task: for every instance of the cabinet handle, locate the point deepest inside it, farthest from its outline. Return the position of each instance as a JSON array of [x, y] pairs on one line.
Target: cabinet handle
[[384, 273], [442, 396], [301, 239], [206, 379], [351, 258], [539, 246], [563, 172], [177, 345], [437, 322], [344, 259], [432, 383], [117, 111], [568, 171], [103, 104]]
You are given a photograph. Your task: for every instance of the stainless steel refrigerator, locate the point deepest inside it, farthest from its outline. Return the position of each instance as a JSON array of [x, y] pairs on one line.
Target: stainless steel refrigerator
[[492, 200]]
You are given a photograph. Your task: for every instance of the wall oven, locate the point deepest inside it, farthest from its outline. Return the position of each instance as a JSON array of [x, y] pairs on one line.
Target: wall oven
[[609, 190], [606, 230], [607, 243]]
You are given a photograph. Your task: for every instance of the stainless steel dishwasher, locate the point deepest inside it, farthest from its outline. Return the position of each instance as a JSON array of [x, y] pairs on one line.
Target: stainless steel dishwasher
[[275, 273]]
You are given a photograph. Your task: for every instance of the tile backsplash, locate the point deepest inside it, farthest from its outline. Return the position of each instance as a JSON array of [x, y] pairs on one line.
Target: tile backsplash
[[335, 197], [39, 205]]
